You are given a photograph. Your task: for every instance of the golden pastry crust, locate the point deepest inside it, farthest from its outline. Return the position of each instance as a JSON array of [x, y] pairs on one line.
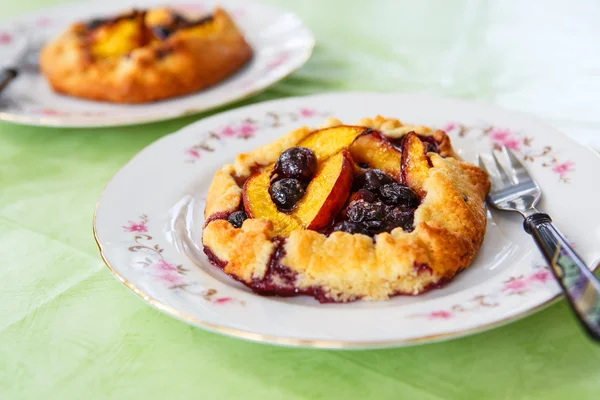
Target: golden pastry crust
[[449, 226], [122, 61]]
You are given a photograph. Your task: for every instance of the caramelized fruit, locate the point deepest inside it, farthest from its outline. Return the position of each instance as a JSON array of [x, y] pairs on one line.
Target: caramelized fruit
[[399, 195], [286, 193], [378, 153], [326, 194], [372, 180], [329, 141], [237, 218], [324, 197], [415, 164], [297, 162]]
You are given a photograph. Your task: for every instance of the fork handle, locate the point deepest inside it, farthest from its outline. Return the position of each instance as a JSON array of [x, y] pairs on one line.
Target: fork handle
[[6, 76], [579, 284]]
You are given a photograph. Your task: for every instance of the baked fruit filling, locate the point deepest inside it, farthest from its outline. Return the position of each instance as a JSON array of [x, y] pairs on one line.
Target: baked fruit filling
[[118, 36], [347, 212], [346, 179]]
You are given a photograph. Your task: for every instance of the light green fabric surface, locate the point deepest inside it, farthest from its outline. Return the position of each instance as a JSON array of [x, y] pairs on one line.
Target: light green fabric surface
[[69, 330]]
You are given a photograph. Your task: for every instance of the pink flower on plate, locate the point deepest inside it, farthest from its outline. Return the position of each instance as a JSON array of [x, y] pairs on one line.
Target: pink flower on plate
[[190, 7], [136, 227], [247, 129], [228, 131], [193, 153], [516, 285], [564, 168], [5, 38], [540, 276], [449, 126], [238, 12], [43, 22], [307, 112], [170, 277], [442, 314], [223, 300], [165, 266], [506, 138], [49, 112], [280, 59]]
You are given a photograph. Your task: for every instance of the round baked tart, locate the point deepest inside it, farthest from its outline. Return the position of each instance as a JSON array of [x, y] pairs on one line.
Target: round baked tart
[[347, 212], [143, 56]]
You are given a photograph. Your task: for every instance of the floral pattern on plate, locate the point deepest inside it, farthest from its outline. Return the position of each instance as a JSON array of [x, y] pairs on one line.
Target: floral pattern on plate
[[519, 142], [245, 129], [169, 274]]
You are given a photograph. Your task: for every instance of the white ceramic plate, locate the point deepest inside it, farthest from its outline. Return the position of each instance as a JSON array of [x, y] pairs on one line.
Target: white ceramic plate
[[280, 41], [149, 220]]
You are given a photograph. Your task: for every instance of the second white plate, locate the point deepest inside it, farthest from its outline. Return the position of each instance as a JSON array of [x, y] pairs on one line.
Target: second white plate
[[280, 41]]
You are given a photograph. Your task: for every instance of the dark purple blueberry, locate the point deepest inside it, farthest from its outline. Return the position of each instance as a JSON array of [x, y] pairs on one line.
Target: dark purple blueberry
[[398, 217], [161, 32], [162, 52], [372, 180], [374, 227], [366, 195], [95, 23], [237, 218], [200, 21], [286, 193], [178, 19], [350, 227], [399, 195], [431, 145], [298, 163], [360, 210]]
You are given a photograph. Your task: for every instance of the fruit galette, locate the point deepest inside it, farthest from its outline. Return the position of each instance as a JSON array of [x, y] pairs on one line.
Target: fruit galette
[[144, 56], [347, 212]]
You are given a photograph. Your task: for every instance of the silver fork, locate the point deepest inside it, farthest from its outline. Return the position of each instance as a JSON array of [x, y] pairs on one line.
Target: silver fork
[[513, 189], [25, 61]]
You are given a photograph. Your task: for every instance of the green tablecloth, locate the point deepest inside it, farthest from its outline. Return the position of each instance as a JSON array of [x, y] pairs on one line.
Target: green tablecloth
[[69, 330]]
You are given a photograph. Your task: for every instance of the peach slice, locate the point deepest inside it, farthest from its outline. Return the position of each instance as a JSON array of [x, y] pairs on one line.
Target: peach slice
[[373, 149], [326, 194], [258, 203], [329, 141], [119, 36], [415, 164]]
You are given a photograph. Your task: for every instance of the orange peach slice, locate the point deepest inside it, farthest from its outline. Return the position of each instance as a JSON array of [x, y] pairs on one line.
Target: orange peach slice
[[118, 37], [415, 164], [372, 149], [327, 192], [329, 141], [258, 203]]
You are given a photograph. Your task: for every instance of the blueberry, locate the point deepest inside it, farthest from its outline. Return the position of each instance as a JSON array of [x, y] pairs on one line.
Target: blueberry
[[360, 210], [161, 32], [298, 163], [366, 195], [286, 193], [95, 23], [237, 218], [350, 227], [399, 195], [399, 217], [372, 180], [374, 227], [431, 145], [363, 165]]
